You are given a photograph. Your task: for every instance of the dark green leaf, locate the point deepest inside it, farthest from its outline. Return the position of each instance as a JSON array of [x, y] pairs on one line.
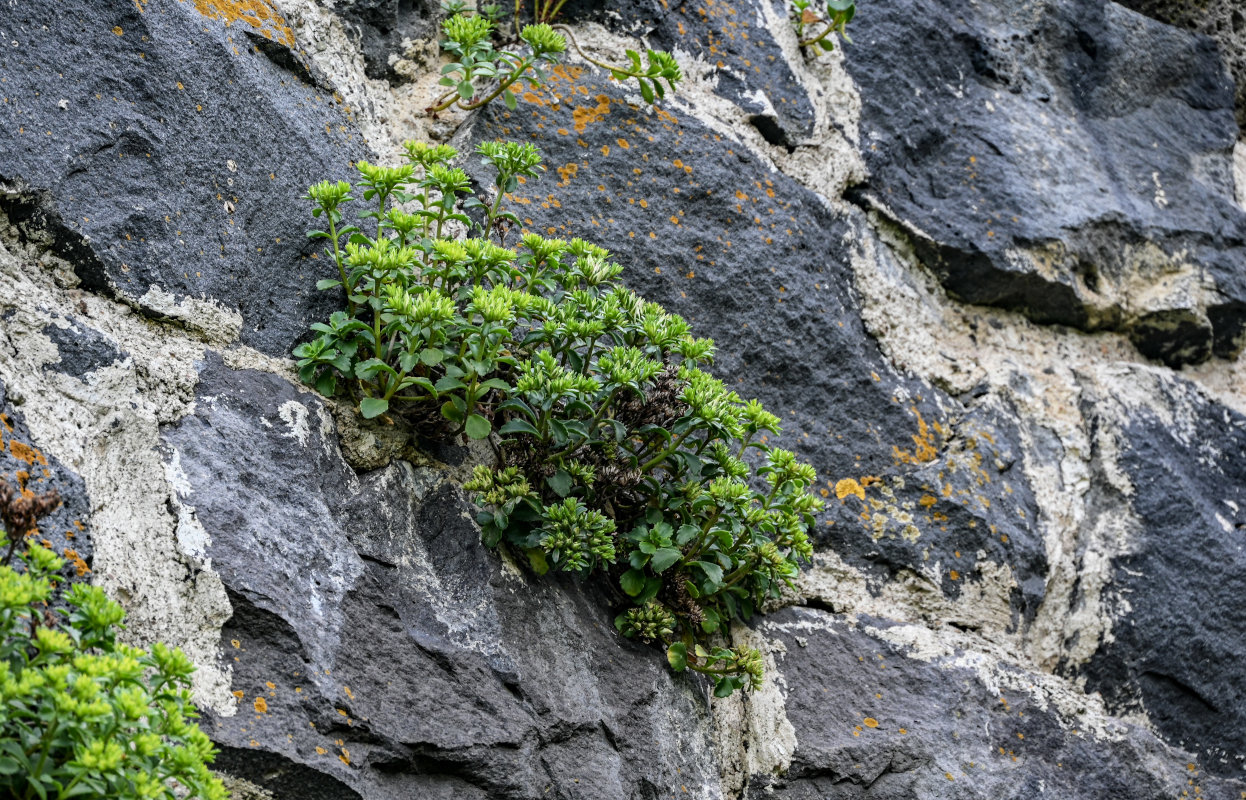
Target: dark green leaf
[[560, 482], [713, 572], [519, 426], [327, 283], [664, 558], [633, 582]]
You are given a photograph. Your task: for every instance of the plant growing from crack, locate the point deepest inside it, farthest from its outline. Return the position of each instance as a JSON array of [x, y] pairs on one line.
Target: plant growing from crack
[[469, 39], [617, 453], [813, 29], [82, 715]]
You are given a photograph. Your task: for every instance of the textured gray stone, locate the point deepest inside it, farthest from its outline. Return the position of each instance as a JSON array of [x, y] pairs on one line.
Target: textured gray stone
[[881, 720], [164, 146], [1070, 160], [1176, 594], [1223, 20]]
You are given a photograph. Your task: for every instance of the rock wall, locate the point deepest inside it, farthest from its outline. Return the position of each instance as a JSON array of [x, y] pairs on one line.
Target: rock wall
[[986, 262]]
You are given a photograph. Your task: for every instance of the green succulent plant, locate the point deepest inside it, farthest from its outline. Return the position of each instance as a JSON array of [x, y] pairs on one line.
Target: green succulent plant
[[618, 454], [81, 714], [469, 39]]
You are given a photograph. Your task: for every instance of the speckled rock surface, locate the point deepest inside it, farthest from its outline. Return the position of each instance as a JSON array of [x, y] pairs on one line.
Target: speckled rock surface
[[1030, 431], [1042, 163], [166, 145]]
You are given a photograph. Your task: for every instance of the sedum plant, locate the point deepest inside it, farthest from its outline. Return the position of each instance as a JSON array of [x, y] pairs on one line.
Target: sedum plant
[[813, 28], [81, 714], [469, 40], [617, 454]]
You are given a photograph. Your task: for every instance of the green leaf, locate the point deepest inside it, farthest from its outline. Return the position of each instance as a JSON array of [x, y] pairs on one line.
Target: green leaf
[[652, 587], [326, 384], [519, 426], [327, 283], [465, 90], [560, 482], [451, 411], [508, 97], [633, 582], [645, 91], [677, 656], [686, 534], [477, 427], [447, 384], [713, 572], [432, 356], [372, 407], [726, 686], [664, 558]]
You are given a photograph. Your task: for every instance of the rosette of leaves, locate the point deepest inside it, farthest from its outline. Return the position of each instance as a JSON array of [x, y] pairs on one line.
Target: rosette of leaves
[[469, 39], [618, 453], [813, 29], [81, 714]]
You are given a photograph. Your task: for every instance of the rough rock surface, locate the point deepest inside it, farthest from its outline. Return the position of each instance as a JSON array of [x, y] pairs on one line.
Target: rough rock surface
[[963, 258], [1041, 163], [1223, 20]]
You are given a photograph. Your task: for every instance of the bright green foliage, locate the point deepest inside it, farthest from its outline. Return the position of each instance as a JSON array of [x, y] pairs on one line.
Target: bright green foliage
[[469, 39], [82, 715], [618, 454], [835, 20]]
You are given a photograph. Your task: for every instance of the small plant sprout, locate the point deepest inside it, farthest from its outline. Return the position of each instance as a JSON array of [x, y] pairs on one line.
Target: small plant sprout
[[813, 29], [469, 39], [618, 455]]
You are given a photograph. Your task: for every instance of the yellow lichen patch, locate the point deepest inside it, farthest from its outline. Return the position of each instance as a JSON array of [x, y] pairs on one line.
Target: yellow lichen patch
[[320, 750], [259, 14], [924, 449], [24, 452], [927, 501], [567, 172], [238, 694], [870, 722], [345, 756], [849, 486], [117, 30], [582, 116], [72, 556], [261, 705]]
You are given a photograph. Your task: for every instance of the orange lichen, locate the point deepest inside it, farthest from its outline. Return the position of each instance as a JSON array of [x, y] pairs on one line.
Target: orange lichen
[[924, 449], [261, 705], [72, 556], [849, 486], [870, 722], [24, 452], [259, 14], [581, 116]]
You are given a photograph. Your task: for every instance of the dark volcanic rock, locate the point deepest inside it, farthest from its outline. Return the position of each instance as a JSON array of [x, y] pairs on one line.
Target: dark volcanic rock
[[760, 264], [165, 147], [1223, 20], [82, 350], [1070, 160], [875, 719], [383, 25], [1176, 595], [376, 642]]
